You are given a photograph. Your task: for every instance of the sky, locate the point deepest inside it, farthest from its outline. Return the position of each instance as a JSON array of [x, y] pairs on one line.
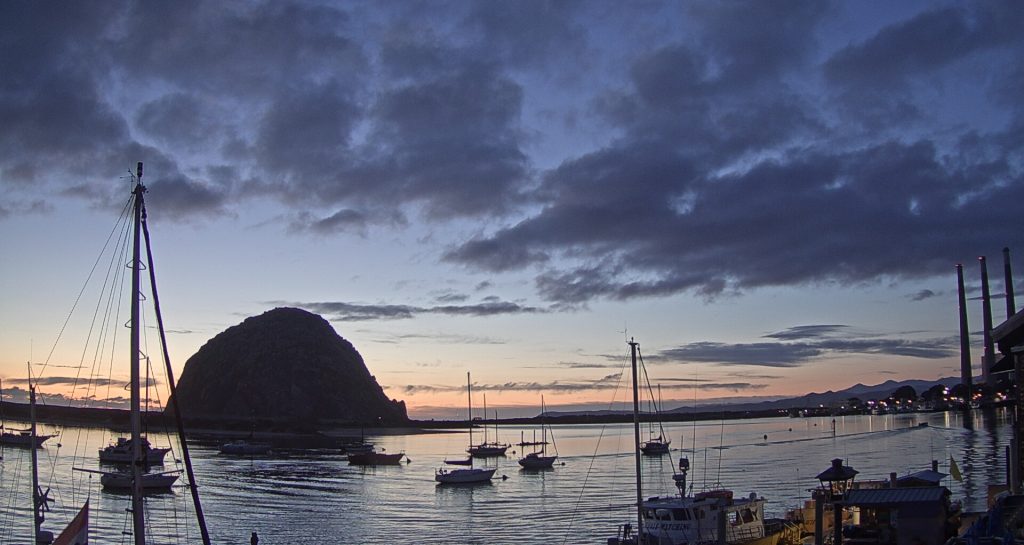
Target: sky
[[770, 197]]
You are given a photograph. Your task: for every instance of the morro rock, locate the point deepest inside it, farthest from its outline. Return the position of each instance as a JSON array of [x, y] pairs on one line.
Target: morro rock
[[285, 365]]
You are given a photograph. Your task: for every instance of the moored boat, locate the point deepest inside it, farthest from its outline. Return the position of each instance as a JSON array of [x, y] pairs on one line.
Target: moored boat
[[539, 459], [375, 458], [707, 517], [23, 438], [120, 452], [468, 475]]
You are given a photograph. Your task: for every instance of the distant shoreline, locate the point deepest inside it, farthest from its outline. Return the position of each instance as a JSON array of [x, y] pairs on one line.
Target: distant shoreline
[[341, 431]]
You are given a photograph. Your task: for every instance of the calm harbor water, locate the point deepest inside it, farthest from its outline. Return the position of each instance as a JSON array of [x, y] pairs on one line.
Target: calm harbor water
[[315, 497]]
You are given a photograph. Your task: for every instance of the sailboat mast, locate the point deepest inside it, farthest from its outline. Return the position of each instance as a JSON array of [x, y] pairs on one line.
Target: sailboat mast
[[636, 449], [543, 428], [38, 502], [138, 515], [469, 398]]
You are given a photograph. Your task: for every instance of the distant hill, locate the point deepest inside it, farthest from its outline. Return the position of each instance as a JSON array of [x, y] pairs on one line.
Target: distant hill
[[285, 365], [828, 398]]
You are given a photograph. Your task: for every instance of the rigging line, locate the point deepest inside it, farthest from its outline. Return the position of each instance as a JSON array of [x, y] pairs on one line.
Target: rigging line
[[70, 312], [193, 487], [593, 458]]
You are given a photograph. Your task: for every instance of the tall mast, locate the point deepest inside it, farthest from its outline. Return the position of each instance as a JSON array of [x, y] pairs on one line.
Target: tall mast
[[543, 428], [636, 447], [138, 515], [38, 499], [469, 397]]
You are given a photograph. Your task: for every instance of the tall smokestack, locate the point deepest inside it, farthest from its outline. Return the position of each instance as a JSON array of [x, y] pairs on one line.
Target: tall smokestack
[[965, 336], [989, 358], [1011, 308]]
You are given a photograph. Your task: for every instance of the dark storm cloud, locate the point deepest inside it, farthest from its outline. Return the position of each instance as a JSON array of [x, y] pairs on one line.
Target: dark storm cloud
[[733, 153], [350, 312], [801, 345]]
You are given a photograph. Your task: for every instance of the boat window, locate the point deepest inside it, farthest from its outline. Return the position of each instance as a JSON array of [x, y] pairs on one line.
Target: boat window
[[649, 514], [748, 516], [663, 514], [699, 513], [681, 514]]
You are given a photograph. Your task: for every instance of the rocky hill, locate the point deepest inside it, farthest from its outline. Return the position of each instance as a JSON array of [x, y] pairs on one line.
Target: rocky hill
[[285, 365]]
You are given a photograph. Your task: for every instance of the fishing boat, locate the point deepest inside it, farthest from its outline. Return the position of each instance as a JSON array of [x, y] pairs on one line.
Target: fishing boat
[[691, 519], [120, 452], [467, 475], [488, 448], [538, 459]]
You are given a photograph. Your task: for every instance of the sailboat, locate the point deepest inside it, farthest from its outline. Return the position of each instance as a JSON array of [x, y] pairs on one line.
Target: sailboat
[[655, 446], [469, 474], [77, 531], [540, 459], [18, 437], [488, 448], [686, 519]]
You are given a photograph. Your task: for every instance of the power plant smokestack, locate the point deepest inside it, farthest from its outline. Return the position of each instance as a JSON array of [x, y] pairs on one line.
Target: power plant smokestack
[[965, 336], [989, 358], [1011, 308]]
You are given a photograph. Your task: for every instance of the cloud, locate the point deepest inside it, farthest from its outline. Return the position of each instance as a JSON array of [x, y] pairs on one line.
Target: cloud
[[800, 345], [713, 149], [352, 312], [610, 382], [922, 295]]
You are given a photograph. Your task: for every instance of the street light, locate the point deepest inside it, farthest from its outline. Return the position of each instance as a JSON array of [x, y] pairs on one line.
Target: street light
[[836, 481]]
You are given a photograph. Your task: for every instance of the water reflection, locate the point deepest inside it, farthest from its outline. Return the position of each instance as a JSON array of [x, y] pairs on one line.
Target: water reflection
[[318, 496]]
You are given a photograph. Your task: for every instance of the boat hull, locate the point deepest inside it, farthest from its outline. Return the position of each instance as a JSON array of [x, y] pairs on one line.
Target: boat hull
[[123, 481], [375, 459], [487, 450], [464, 476], [23, 440]]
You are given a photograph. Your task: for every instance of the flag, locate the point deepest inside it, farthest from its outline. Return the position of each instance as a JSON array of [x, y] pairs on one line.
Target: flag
[[955, 471], [76, 533]]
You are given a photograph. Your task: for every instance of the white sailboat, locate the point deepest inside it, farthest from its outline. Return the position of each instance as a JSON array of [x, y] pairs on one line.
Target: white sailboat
[[469, 474], [538, 459]]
